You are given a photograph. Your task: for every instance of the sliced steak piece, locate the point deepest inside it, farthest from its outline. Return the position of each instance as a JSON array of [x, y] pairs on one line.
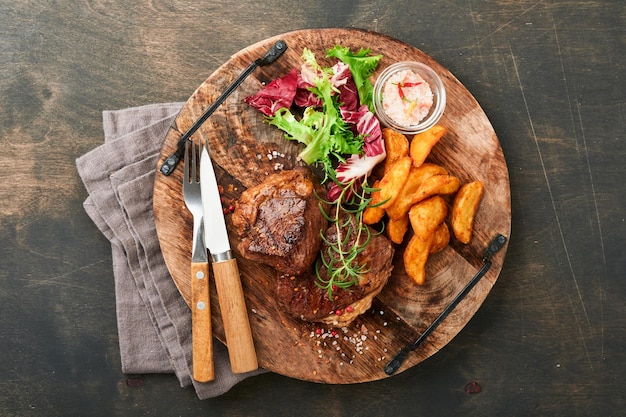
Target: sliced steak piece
[[279, 221], [301, 297]]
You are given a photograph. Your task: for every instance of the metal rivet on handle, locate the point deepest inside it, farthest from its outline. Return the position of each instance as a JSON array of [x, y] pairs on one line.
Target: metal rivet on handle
[[200, 275], [200, 305]]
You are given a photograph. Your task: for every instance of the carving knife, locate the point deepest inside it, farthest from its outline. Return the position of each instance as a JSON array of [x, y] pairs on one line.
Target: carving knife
[[226, 273]]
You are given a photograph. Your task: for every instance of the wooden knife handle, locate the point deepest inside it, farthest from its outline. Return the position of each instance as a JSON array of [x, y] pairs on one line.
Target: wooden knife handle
[[201, 333], [235, 317]]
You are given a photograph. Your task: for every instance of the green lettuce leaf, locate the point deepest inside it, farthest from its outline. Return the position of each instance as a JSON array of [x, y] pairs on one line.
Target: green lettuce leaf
[[361, 66]]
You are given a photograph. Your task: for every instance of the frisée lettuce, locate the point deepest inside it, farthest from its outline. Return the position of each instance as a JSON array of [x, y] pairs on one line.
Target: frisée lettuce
[[328, 109]]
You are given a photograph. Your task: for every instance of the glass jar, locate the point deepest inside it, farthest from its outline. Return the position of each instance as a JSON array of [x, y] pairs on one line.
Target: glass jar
[[393, 113]]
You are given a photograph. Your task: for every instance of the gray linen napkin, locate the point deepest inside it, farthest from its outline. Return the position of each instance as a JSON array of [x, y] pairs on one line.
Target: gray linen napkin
[[154, 323]]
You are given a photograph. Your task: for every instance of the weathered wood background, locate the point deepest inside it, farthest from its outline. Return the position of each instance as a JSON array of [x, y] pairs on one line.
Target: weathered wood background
[[550, 337]]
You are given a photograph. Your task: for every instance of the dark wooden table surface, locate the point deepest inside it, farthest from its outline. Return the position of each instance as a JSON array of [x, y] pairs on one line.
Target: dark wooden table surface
[[550, 338]]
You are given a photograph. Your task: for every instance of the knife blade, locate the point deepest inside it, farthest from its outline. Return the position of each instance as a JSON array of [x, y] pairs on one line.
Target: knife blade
[[226, 273]]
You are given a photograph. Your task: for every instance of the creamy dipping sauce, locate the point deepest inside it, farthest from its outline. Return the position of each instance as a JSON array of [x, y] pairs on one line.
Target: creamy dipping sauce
[[407, 98]]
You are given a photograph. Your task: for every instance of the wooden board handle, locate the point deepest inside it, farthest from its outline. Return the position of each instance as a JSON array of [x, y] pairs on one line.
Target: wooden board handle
[[201, 333], [235, 317]]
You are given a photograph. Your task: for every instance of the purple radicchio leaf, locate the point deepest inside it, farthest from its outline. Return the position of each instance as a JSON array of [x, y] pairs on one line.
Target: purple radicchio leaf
[[276, 95]]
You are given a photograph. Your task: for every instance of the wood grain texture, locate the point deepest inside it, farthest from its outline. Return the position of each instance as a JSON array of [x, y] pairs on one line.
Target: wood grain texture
[[201, 331], [234, 313], [240, 143]]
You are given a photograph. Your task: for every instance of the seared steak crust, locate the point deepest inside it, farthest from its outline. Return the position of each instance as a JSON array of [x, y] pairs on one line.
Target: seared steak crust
[[301, 297], [279, 221]]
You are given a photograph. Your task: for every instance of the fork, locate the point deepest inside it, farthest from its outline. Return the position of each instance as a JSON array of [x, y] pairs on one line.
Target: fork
[[201, 333]]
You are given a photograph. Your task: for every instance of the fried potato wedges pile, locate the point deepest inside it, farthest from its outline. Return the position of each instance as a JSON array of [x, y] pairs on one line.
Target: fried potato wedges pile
[[411, 193]]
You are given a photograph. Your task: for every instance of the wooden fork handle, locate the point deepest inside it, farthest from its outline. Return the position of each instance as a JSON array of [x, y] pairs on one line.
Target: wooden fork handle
[[234, 316], [201, 333]]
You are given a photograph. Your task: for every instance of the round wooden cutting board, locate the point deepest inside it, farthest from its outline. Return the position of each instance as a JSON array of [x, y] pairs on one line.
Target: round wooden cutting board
[[245, 150]]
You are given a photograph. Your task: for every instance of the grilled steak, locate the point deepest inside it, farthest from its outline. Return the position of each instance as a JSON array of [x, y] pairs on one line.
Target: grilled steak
[[301, 297], [279, 221]]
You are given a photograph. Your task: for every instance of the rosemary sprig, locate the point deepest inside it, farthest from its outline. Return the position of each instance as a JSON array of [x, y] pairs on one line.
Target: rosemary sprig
[[340, 257]]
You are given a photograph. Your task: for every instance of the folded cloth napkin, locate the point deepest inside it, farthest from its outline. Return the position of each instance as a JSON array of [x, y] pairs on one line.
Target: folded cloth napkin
[[154, 323]]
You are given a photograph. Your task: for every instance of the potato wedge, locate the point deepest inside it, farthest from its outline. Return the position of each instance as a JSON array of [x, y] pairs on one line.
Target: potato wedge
[[396, 146], [373, 213], [423, 143], [396, 229], [436, 184], [402, 204], [427, 215], [441, 238], [415, 257], [393, 181], [464, 210]]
